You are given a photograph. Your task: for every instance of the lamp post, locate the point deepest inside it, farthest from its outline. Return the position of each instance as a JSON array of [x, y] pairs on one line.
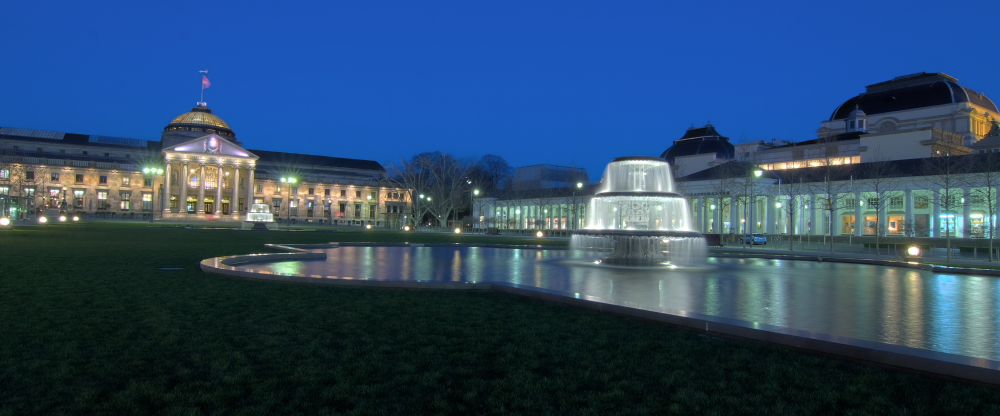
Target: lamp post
[[290, 182], [152, 173], [748, 222], [472, 208]]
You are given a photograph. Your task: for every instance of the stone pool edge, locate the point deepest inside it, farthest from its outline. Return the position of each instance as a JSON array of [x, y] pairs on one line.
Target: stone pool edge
[[920, 360]]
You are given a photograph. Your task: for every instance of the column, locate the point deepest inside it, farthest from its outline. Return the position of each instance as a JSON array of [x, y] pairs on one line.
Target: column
[[250, 189], [165, 197], [734, 218], [218, 191], [704, 213], [910, 223], [200, 205], [936, 216], [182, 204], [859, 228], [718, 217], [883, 214], [966, 213], [813, 227], [234, 203], [769, 214]]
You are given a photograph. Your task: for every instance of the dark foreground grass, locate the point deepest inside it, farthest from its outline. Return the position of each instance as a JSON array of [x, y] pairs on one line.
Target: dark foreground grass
[[88, 326]]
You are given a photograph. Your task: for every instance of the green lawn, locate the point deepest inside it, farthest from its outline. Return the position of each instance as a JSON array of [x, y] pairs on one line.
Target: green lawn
[[89, 326]]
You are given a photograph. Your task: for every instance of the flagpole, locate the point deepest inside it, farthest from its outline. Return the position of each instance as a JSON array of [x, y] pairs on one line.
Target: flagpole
[[202, 102]]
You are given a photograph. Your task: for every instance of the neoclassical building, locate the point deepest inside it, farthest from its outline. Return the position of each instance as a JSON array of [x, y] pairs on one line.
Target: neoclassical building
[[198, 171]]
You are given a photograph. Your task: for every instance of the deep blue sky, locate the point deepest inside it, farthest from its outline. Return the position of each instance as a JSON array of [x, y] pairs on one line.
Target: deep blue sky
[[564, 83]]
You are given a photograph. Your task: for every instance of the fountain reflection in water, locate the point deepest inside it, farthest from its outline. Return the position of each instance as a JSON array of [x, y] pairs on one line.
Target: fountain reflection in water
[[637, 219]]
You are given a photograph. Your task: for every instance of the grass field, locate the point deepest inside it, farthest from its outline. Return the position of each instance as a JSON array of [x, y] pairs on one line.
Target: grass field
[[89, 326]]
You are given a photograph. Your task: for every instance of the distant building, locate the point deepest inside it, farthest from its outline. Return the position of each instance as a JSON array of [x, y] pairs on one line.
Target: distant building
[[874, 158], [198, 171]]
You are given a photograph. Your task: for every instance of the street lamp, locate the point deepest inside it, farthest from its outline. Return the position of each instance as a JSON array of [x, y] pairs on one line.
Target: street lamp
[[153, 172], [290, 181]]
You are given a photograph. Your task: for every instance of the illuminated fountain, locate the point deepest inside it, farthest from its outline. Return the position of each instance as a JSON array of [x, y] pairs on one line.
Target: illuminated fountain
[[637, 219], [260, 216]]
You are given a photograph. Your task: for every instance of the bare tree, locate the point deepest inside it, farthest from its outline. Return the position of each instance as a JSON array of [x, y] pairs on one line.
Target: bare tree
[[882, 179], [984, 178], [830, 186], [791, 187], [944, 173]]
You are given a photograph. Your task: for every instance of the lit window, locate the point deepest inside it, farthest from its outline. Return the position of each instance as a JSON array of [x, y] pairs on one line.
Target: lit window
[[126, 203], [4, 173], [125, 180]]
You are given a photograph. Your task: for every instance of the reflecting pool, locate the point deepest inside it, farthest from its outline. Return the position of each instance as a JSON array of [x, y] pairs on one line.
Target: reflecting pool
[[957, 314]]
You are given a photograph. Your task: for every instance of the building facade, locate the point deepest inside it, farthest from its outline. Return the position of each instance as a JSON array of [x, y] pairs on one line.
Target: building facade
[[912, 156], [198, 171]]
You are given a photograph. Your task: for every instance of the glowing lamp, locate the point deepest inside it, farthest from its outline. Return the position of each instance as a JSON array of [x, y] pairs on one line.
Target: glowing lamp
[[42, 220], [475, 192], [777, 205], [368, 226], [62, 218], [406, 228], [76, 218], [913, 251], [539, 234], [458, 230], [4, 222]]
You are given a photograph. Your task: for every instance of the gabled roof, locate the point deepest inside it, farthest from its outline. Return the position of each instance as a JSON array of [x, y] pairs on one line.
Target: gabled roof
[[211, 145]]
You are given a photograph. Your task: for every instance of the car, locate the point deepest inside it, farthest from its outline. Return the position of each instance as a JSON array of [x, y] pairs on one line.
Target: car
[[755, 239]]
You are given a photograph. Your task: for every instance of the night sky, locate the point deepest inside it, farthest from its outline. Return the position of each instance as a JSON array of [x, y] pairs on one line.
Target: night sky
[[564, 83]]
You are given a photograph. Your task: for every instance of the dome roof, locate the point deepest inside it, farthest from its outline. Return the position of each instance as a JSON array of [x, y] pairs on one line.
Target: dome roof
[[201, 119], [700, 140], [912, 91]]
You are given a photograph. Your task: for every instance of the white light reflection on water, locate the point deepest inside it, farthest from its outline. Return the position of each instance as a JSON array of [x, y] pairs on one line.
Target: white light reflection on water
[[951, 313]]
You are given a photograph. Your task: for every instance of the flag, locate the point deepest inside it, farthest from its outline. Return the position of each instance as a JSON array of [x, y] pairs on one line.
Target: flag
[[204, 82]]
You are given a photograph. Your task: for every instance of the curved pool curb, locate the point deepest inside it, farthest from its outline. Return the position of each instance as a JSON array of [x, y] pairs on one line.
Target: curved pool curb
[[855, 260], [853, 349]]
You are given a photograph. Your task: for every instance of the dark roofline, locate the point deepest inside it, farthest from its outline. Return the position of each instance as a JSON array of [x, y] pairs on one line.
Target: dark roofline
[[267, 156], [859, 171]]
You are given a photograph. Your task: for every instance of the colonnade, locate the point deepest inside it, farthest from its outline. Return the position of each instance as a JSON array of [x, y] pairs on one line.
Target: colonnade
[[186, 171]]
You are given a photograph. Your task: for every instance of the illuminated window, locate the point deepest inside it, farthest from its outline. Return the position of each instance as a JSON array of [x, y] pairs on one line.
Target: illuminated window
[[4, 173], [126, 203], [125, 180], [78, 198], [147, 201], [102, 200]]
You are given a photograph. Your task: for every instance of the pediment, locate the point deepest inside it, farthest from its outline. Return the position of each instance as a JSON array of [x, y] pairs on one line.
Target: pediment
[[211, 145]]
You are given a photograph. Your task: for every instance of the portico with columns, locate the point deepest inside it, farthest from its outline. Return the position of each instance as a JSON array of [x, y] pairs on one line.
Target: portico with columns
[[208, 178]]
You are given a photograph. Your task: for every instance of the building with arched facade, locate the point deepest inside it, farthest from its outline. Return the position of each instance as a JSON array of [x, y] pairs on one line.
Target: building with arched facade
[[197, 171], [916, 156]]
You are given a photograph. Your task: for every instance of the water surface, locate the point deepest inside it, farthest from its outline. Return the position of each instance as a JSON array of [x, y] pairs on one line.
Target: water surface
[[949, 313]]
